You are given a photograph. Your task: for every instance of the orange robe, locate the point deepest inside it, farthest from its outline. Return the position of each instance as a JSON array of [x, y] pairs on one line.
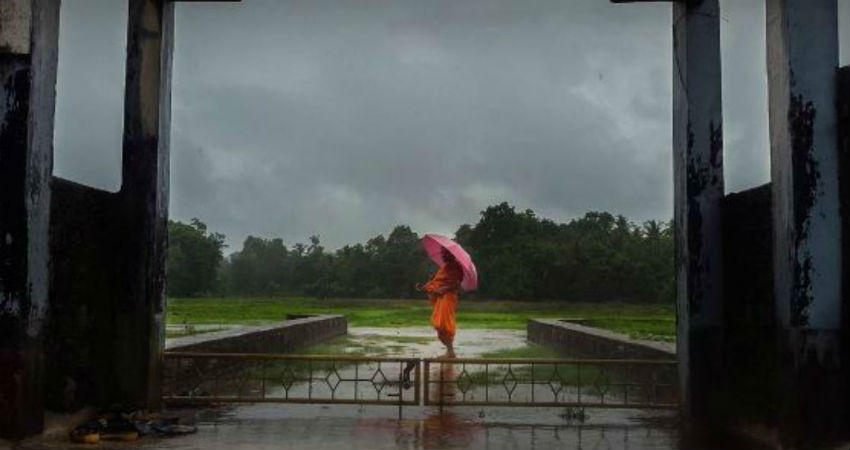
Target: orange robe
[[442, 291]]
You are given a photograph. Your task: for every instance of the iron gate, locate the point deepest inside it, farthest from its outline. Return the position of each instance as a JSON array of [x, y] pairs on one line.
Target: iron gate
[[207, 378], [551, 383]]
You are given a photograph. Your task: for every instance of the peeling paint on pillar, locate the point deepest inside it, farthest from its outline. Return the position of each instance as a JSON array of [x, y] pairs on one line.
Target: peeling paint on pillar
[[698, 195], [802, 58], [15, 303], [144, 193], [802, 41], [701, 176], [801, 118], [29, 32]]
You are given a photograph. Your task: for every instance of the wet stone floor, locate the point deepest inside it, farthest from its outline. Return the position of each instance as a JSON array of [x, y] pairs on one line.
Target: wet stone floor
[[270, 426], [309, 426], [349, 427]]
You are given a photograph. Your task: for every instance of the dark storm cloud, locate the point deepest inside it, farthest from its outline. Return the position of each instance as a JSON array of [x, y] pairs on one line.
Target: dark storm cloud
[[344, 118]]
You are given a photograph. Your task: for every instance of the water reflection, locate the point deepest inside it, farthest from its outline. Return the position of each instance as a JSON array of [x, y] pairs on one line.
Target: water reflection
[[314, 427], [305, 426], [380, 427], [443, 428], [451, 431]]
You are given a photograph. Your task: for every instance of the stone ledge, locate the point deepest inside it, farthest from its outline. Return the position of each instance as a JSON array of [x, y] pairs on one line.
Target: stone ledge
[[279, 337], [565, 334]]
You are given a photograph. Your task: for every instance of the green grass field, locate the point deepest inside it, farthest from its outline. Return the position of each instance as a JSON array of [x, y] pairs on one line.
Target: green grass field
[[638, 320]]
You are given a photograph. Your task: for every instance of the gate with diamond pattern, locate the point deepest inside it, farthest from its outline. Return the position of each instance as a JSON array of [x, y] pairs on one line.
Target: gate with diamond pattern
[[207, 378]]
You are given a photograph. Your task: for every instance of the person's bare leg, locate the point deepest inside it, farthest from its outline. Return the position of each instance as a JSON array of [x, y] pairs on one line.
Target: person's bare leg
[[450, 351], [448, 341], [406, 377]]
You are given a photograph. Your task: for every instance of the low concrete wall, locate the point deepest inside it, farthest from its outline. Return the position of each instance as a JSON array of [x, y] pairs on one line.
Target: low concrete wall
[[568, 336], [280, 337]]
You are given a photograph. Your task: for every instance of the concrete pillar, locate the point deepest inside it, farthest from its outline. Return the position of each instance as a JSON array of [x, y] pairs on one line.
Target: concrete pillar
[[29, 31], [802, 58], [698, 184], [147, 116], [844, 183]]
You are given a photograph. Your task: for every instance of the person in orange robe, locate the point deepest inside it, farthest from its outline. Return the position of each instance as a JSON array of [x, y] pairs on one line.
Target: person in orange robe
[[442, 292]]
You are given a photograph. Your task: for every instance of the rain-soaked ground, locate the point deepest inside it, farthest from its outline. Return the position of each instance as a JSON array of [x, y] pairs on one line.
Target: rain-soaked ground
[[296, 426], [312, 426]]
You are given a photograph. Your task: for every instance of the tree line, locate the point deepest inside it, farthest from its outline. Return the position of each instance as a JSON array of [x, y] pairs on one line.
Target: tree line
[[597, 257]]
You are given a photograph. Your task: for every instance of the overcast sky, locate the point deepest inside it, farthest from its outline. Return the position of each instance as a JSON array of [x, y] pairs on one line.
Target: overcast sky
[[344, 118]]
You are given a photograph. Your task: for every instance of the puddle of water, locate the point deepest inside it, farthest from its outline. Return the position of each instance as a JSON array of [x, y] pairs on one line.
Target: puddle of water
[[372, 427], [368, 427], [421, 342]]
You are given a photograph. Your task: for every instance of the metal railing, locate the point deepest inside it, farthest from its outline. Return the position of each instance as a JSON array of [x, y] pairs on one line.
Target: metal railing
[[204, 378], [201, 378], [551, 383]]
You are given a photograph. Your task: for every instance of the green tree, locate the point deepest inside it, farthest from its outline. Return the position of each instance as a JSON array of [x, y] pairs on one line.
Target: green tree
[[403, 257], [597, 257], [261, 267], [194, 256]]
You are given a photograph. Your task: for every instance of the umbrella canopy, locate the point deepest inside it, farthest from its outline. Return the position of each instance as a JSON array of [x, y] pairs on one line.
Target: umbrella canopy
[[435, 243]]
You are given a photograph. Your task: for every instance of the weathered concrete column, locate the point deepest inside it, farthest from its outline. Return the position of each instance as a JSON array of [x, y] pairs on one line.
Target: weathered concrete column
[[844, 183], [147, 116], [802, 58], [698, 184], [29, 31]]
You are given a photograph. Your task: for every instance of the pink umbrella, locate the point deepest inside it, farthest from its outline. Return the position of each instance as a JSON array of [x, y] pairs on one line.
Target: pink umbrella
[[434, 243]]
